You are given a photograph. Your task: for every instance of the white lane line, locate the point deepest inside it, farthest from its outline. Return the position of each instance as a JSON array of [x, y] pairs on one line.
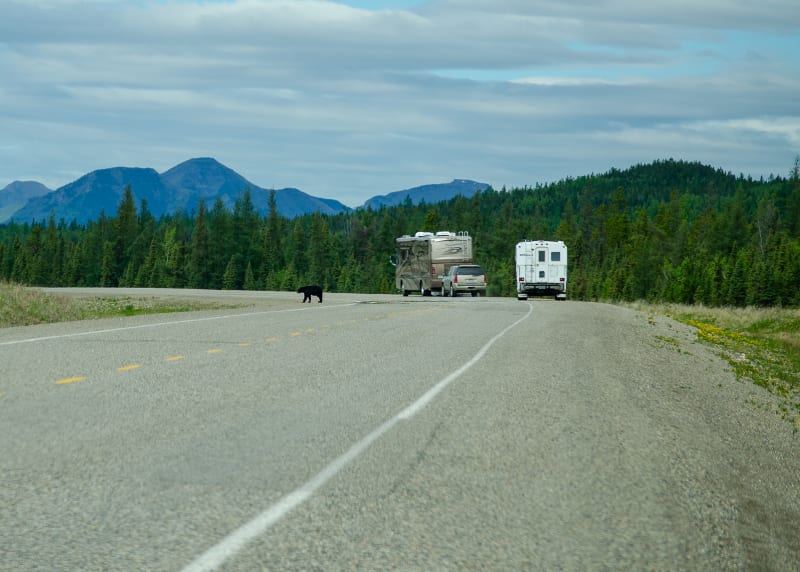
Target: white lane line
[[229, 546], [159, 324]]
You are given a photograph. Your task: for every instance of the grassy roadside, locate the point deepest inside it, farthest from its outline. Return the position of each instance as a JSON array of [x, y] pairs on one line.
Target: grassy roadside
[[21, 306], [762, 345]]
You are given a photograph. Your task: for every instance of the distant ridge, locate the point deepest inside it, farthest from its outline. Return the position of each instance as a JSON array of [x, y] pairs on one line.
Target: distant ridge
[[177, 189], [181, 188], [435, 193], [16, 194]]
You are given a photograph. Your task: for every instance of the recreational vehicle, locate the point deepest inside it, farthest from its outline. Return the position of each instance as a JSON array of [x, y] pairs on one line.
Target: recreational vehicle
[[424, 258], [541, 269]]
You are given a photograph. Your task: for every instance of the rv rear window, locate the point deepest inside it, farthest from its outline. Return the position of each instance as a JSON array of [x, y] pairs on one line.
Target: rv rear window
[[542, 256], [555, 257]]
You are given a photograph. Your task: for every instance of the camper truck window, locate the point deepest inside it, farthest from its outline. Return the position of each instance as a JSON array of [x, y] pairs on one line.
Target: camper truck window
[[555, 257], [541, 256]]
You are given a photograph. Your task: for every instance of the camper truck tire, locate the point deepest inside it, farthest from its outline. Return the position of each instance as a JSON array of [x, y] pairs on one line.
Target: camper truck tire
[[402, 287]]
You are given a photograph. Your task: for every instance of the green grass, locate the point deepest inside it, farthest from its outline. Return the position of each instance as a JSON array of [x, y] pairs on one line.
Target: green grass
[[762, 345], [21, 306]]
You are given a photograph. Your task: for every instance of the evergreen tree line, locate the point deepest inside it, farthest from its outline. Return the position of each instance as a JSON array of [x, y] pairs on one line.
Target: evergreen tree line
[[670, 231]]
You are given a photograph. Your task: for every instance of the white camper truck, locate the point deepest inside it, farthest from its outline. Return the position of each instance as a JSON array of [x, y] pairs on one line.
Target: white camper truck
[[424, 258], [541, 269]]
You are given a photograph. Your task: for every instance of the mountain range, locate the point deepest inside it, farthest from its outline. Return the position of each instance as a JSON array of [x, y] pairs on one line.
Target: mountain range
[[181, 188]]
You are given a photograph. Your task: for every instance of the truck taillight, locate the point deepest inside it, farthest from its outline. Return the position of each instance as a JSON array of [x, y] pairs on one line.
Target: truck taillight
[[562, 279], [455, 279], [484, 278], [521, 278]]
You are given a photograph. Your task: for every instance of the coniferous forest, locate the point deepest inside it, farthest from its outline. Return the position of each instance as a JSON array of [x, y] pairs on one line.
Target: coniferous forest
[[669, 231]]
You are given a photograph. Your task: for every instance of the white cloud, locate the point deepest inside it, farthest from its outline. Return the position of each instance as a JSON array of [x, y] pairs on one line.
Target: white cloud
[[782, 128]]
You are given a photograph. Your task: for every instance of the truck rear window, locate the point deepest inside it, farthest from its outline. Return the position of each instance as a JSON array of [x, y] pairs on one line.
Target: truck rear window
[[474, 271]]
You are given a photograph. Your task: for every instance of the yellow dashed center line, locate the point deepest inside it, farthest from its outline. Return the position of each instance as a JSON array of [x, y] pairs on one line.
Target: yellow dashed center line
[[246, 344], [129, 367], [70, 379]]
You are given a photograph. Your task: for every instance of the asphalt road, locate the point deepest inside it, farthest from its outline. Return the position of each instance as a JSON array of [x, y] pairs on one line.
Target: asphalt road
[[388, 433]]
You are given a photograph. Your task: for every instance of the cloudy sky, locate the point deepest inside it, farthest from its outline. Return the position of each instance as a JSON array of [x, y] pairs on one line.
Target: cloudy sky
[[350, 99]]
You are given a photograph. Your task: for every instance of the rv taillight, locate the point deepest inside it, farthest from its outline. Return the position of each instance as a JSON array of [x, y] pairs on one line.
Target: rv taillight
[[562, 279], [521, 278]]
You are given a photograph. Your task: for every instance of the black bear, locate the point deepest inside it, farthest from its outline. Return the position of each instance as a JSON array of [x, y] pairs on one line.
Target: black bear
[[309, 291]]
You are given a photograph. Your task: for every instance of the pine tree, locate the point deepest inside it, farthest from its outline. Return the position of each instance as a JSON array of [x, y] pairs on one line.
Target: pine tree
[[249, 278], [793, 201], [221, 241], [34, 252], [273, 238], [108, 273], [199, 258], [246, 243], [319, 250], [229, 277], [297, 254], [126, 229], [432, 222]]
